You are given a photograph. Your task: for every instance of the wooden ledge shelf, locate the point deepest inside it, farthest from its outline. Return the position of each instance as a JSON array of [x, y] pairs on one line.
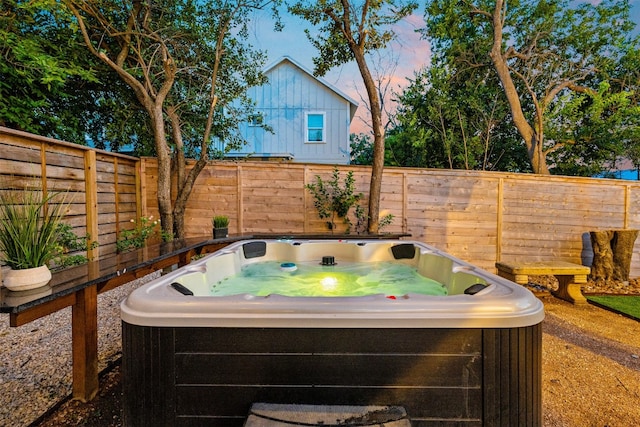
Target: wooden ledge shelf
[[79, 287]]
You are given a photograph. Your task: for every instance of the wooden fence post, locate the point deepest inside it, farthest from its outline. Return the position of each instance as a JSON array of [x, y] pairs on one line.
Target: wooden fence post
[[499, 215], [91, 202], [240, 200]]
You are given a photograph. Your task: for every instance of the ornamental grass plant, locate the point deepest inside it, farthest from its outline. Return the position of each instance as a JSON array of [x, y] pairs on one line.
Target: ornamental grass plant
[[29, 229], [220, 221]]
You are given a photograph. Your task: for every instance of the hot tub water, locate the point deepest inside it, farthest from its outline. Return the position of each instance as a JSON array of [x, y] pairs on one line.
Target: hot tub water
[[311, 279]]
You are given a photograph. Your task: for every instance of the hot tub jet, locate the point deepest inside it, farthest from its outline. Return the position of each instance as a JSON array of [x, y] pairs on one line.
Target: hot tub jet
[[328, 260]]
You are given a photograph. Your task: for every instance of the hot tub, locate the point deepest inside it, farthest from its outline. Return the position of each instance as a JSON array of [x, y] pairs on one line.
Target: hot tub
[[466, 352]]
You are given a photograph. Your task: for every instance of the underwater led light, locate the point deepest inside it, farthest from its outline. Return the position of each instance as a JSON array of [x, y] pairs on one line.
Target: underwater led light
[[329, 283]]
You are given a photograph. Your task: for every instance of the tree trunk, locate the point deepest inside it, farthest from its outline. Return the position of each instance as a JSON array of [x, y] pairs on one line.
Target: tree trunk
[[185, 187], [612, 251], [164, 171], [375, 186], [533, 140]]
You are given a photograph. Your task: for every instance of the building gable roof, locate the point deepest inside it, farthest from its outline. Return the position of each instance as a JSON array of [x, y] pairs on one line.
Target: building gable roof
[[353, 105]]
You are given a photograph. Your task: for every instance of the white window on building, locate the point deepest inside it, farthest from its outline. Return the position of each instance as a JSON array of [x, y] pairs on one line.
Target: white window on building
[[315, 127]]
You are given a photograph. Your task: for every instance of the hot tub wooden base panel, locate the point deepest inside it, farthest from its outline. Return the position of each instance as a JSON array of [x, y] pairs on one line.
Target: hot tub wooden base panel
[[211, 376]]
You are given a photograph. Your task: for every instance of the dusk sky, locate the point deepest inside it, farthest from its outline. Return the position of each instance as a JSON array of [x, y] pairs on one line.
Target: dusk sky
[[409, 52]]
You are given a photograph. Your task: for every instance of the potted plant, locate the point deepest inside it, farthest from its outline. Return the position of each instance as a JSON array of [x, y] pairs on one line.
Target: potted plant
[[29, 234], [220, 226]]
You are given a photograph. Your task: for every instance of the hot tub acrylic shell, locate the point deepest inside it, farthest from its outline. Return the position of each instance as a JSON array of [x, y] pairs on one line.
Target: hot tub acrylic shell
[[448, 360], [501, 304]]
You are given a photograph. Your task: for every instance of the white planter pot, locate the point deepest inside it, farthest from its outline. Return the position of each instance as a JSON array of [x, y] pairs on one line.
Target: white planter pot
[[29, 278]]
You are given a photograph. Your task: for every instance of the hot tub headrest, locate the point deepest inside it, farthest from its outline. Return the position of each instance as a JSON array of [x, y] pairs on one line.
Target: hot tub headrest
[[182, 289], [254, 249], [403, 251], [474, 289]]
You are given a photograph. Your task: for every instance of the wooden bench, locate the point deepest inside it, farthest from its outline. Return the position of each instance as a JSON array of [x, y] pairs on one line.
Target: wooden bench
[[570, 276]]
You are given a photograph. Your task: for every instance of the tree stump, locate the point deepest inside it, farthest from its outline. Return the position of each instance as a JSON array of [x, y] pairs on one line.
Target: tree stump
[[622, 246], [612, 251]]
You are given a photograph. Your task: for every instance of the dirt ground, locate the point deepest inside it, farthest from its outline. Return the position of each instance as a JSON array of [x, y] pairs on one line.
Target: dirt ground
[[590, 377], [590, 367]]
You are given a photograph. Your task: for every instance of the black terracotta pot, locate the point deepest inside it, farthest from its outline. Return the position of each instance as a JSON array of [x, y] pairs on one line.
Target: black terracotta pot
[[220, 233]]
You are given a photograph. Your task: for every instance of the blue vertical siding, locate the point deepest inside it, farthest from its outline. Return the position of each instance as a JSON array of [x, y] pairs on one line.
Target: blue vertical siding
[[290, 93]]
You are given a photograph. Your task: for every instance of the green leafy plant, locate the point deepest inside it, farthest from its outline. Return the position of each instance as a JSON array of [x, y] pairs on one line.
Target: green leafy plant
[[220, 221], [333, 200], [385, 221], [69, 244], [135, 238], [29, 231], [362, 220]]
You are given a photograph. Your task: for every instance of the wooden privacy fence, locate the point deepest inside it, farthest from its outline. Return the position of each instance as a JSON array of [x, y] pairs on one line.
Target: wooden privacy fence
[[103, 187], [482, 217]]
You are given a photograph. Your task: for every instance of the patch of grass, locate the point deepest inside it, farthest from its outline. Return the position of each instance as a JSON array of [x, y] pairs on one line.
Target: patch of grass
[[626, 305]]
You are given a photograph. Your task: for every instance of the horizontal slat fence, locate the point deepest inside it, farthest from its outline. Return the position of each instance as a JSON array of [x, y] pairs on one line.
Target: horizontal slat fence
[[481, 217], [102, 187]]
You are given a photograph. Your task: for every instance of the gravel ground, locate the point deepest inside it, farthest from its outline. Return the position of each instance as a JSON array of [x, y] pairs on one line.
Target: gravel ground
[[35, 359], [591, 367]]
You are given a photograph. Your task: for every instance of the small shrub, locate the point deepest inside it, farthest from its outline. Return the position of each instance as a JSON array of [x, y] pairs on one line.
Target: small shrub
[[68, 243], [362, 220], [333, 201], [137, 237]]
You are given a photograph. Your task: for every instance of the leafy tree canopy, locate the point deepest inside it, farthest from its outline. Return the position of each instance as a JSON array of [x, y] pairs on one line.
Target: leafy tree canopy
[[39, 60], [188, 66], [361, 149], [50, 87], [451, 119], [562, 69]]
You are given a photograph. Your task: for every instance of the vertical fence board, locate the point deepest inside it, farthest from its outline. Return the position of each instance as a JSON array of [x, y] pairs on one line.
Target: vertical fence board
[[91, 200]]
